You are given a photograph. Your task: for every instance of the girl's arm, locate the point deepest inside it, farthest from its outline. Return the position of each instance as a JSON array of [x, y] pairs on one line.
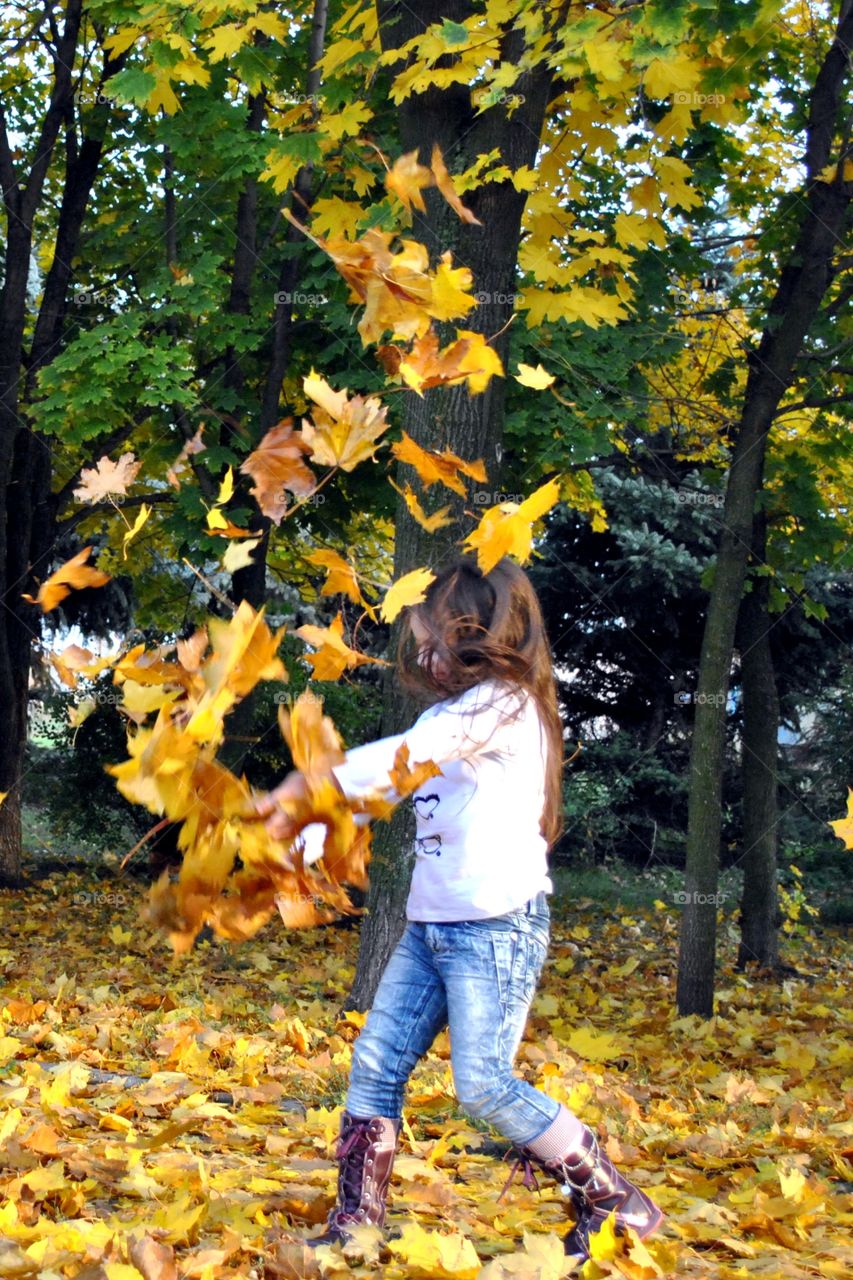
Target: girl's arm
[[471, 724]]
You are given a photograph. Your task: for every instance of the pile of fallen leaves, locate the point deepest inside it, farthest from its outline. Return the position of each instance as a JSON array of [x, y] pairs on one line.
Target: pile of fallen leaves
[[164, 1116]]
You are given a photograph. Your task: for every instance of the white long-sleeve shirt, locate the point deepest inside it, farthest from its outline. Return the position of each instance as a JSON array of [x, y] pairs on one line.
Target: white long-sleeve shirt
[[479, 851]]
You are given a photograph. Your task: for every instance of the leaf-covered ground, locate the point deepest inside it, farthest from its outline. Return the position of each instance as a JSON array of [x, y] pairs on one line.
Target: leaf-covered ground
[[211, 1148]]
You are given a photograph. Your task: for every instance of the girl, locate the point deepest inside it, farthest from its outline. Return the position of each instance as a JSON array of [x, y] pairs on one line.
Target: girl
[[478, 917]]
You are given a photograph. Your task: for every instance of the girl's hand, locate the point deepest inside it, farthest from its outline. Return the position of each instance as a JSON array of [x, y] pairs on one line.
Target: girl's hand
[[279, 824]]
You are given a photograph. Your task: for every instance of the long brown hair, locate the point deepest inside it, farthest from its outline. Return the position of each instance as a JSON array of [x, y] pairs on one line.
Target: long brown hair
[[488, 627]]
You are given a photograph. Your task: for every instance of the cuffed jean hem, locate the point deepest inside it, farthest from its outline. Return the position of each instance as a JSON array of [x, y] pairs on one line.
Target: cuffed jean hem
[[478, 977]]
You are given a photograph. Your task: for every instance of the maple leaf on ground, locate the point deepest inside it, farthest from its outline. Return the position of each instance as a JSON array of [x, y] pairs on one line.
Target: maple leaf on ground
[[277, 467], [74, 575], [107, 478], [343, 432]]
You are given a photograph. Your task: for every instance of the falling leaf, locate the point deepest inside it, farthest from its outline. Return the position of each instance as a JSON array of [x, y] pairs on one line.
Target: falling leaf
[[334, 656], [408, 590], [406, 179], [179, 468], [144, 513], [239, 555], [506, 529], [438, 520], [445, 185], [107, 478], [341, 578], [537, 378], [437, 468], [277, 467], [843, 827], [343, 432], [74, 575]]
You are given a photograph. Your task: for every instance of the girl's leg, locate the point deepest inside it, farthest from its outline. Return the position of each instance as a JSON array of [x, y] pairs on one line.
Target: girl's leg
[[490, 969], [409, 1010]]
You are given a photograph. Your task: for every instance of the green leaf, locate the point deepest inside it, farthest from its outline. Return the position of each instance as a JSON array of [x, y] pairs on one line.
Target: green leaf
[[131, 85], [454, 32]]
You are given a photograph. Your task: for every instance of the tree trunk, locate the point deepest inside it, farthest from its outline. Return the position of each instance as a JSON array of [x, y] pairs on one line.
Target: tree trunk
[[471, 426], [759, 908], [802, 285], [21, 509], [250, 583]]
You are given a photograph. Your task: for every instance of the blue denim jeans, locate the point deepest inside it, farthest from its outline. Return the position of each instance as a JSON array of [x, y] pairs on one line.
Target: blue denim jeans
[[476, 977]]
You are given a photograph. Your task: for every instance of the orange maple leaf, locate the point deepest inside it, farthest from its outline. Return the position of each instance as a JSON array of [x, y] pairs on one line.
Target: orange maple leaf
[[438, 467], [74, 575], [277, 467]]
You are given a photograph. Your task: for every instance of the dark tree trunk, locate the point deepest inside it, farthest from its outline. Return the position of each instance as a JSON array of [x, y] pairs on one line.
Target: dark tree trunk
[[472, 426], [250, 583], [759, 908], [26, 507], [802, 286]]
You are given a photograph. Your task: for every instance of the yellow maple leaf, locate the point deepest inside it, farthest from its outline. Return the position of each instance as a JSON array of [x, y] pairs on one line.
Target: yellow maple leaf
[[408, 590], [435, 467], [595, 1046], [348, 121], [74, 575], [843, 827], [333, 656], [406, 179], [226, 41], [506, 529], [434, 1254], [162, 95], [239, 555], [144, 513], [438, 520], [449, 298], [341, 577], [343, 432], [537, 378], [663, 76], [604, 58]]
